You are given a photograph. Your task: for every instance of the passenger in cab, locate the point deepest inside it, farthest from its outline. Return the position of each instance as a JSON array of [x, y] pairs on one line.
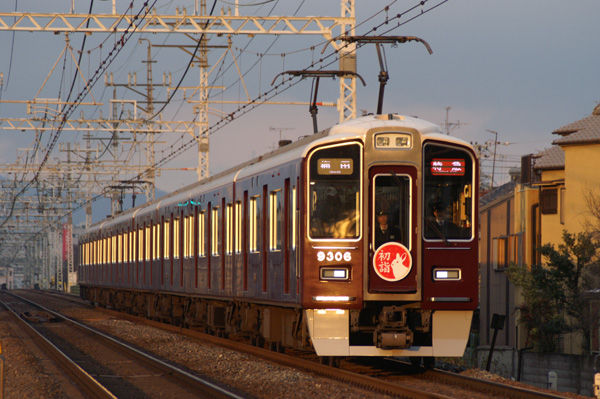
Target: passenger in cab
[[440, 224]]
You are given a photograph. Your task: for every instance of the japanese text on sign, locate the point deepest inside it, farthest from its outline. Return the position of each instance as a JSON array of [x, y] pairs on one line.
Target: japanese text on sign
[[448, 167], [392, 261]]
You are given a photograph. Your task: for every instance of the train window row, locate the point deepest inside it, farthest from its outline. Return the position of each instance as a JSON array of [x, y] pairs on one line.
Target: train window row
[[218, 229]]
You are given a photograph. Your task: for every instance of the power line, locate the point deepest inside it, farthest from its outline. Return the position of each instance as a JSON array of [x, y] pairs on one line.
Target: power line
[[243, 109], [187, 68], [278, 89], [141, 14]]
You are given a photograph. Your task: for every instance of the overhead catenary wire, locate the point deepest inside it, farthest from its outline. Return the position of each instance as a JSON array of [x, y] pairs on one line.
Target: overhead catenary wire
[[260, 99], [187, 68], [278, 89], [118, 46]]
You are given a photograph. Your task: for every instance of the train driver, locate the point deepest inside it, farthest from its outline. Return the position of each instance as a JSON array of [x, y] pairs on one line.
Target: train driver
[[384, 231]]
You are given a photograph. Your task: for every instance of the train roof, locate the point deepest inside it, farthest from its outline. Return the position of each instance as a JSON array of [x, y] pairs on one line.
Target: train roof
[[347, 130]]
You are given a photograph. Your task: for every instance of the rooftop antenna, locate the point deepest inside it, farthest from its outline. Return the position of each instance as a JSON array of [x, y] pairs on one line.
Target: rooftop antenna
[[317, 75], [449, 126], [378, 41], [280, 130]]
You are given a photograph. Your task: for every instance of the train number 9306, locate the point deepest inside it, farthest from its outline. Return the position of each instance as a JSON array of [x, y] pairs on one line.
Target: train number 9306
[[331, 256]]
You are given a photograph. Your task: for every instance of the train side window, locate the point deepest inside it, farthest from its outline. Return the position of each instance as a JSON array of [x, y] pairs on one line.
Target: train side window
[[202, 234], [132, 246], [294, 217], [214, 235], [104, 251], [176, 234], [186, 237], [190, 237], [120, 248], [108, 250], [157, 229], [229, 229], [147, 242], [275, 220], [238, 227], [115, 248], [253, 223], [124, 247], [85, 258], [167, 239], [140, 251]]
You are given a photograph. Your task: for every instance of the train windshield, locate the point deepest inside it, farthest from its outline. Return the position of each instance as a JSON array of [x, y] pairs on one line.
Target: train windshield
[[448, 188], [334, 192]]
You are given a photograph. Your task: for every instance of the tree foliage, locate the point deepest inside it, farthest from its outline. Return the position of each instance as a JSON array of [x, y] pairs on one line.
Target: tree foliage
[[553, 300]]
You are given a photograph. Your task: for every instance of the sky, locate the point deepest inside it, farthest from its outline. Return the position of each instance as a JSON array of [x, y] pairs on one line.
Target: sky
[[521, 69]]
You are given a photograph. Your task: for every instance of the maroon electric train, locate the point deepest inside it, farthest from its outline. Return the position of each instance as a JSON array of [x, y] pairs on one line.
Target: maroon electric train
[[360, 240]]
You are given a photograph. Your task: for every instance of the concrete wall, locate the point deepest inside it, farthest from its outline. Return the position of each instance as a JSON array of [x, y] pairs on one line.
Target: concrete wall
[[574, 373]]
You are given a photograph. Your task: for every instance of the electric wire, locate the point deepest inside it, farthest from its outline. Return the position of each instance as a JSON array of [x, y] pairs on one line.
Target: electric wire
[[263, 97], [187, 68], [141, 14], [278, 89]]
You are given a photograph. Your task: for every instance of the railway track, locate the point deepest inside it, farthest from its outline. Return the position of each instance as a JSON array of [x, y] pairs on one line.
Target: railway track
[[102, 366], [386, 376], [400, 372]]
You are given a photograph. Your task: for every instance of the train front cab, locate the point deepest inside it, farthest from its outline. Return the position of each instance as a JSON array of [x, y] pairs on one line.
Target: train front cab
[[411, 291]]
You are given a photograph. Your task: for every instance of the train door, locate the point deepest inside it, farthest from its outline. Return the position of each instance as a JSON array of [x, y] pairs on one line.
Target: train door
[[392, 218]]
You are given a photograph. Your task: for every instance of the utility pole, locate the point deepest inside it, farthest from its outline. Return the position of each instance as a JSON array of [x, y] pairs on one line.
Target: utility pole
[[449, 126], [495, 133]]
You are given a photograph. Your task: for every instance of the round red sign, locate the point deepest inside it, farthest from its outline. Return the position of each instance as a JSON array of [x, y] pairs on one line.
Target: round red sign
[[392, 261]]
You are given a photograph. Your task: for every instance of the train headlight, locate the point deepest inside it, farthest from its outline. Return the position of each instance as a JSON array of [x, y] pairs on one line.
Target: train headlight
[[335, 273], [446, 274], [341, 298]]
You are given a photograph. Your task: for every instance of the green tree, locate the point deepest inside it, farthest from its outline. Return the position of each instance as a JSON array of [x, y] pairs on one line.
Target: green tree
[[553, 300]]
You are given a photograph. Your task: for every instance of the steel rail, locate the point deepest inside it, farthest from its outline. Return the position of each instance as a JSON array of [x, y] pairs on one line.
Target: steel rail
[[200, 385], [89, 386], [348, 377], [506, 391], [356, 379]]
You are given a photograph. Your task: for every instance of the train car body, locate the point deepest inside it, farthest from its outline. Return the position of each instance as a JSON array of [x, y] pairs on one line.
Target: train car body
[[357, 241]]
